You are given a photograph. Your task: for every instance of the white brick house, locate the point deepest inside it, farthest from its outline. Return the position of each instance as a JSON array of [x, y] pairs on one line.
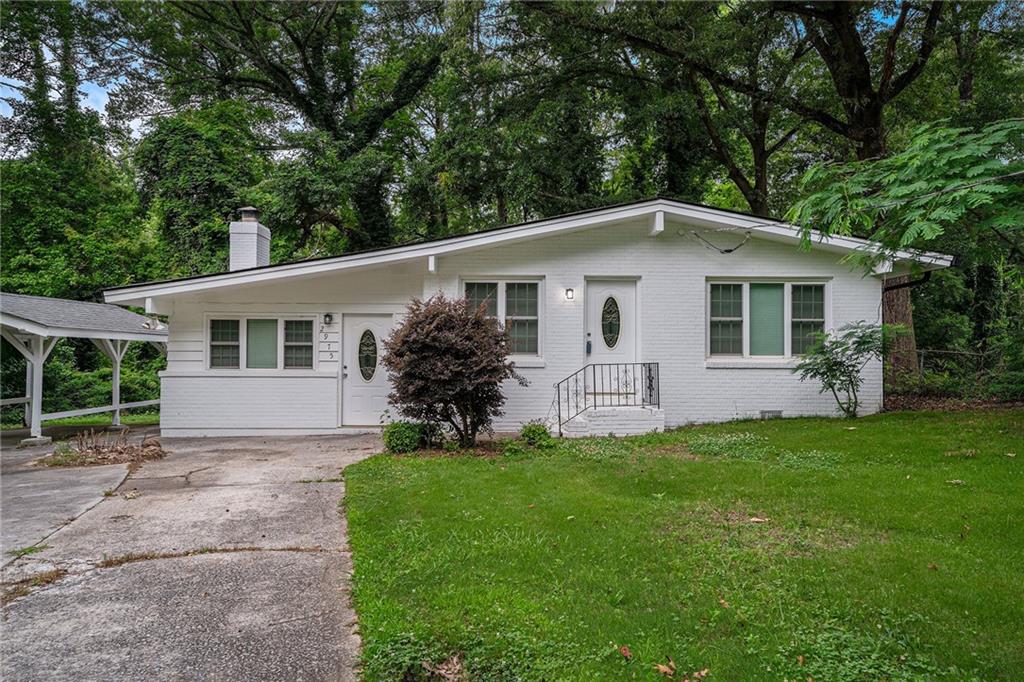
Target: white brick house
[[662, 312]]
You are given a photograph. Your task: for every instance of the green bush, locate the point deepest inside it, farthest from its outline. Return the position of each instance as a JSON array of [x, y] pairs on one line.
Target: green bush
[[513, 448], [536, 435], [403, 436]]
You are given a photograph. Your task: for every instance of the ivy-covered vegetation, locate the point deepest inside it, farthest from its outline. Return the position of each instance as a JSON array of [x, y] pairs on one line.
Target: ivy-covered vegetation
[[356, 125]]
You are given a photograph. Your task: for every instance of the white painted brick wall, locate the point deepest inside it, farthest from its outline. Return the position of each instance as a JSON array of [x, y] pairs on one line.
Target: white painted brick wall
[[671, 270]]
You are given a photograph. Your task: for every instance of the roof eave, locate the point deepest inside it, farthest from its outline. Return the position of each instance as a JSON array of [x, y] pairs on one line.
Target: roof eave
[[701, 216]]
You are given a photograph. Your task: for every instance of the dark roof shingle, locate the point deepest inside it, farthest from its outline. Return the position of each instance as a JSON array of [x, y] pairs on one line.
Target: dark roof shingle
[[66, 314]]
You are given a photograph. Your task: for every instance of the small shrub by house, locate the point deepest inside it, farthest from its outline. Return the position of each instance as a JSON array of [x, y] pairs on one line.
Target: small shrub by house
[[446, 362]]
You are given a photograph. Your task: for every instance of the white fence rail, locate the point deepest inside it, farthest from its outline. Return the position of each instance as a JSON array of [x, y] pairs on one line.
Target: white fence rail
[[97, 410], [14, 401]]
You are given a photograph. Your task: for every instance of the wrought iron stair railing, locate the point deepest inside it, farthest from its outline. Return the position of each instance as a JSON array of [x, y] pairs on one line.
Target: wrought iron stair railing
[[618, 384]]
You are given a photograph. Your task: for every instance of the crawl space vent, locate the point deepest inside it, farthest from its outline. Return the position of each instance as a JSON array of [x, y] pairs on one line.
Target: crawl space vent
[[771, 414]]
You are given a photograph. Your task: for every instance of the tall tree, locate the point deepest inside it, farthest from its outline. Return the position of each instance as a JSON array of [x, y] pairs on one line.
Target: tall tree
[[343, 71], [195, 169]]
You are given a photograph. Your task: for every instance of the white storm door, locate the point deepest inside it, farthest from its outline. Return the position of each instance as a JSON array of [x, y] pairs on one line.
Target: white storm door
[[364, 381], [611, 320]]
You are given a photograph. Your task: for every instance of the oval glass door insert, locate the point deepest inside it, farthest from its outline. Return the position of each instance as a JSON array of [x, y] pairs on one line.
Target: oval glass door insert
[[367, 355], [610, 323]]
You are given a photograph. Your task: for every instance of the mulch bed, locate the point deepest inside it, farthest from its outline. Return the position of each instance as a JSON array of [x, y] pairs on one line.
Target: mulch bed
[[903, 403]]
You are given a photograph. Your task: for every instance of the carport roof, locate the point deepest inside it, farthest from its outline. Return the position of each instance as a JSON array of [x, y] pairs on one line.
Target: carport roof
[[46, 316]]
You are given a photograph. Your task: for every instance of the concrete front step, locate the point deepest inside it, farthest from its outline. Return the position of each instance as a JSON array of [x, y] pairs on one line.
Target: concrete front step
[[615, 421]]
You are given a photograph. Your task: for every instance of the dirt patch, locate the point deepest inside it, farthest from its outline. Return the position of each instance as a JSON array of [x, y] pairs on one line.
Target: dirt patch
[[911, 403], [92, 448], [744, 528], [450, 670], [24, 587]]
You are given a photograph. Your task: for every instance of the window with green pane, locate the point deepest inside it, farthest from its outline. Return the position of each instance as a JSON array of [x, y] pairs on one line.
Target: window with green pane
[[767, 319], [726, 319], [808, 315], [224, 346], [261, 344], [521, 321], [483, 293], [298, 344]]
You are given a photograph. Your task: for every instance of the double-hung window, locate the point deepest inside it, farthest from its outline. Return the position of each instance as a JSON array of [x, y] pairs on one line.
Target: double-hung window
[[298, 344], [225, 349], [808, 317], [517, 304], [764, 319], [261, 343]]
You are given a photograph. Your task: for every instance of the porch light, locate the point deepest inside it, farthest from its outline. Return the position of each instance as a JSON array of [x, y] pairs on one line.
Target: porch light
[[569, 294], [328, 318]]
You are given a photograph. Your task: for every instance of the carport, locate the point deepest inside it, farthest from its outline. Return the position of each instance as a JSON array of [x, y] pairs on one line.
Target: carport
[[34, 324]]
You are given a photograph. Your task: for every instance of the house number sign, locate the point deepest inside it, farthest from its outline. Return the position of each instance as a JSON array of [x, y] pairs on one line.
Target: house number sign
[[328, 342]]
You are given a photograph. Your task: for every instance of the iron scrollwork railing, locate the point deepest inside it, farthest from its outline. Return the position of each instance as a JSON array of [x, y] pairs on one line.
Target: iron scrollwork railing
[[622, 384]]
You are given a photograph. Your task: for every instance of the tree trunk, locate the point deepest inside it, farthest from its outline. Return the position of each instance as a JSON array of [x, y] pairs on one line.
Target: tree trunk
[[897, 309]]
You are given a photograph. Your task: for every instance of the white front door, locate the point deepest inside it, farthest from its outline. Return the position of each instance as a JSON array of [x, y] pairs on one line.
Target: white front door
[[364, 381], [611, 321]]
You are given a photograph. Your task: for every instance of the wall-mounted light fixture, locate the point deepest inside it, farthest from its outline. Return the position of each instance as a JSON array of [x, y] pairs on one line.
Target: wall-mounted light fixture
[[328, 318], [569, 294]]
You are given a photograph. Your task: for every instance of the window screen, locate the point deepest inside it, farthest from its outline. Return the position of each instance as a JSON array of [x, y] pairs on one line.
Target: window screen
[[767, 311], [261, 344]]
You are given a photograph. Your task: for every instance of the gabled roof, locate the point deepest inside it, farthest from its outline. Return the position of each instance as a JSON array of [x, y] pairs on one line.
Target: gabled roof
[[46, 316], [657, 210]]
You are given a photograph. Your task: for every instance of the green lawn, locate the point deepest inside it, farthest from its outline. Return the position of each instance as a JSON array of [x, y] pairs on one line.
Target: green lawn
[[889, 547]]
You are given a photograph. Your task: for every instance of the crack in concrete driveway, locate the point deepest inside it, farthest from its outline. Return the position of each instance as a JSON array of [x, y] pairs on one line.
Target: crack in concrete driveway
[[220, 565]]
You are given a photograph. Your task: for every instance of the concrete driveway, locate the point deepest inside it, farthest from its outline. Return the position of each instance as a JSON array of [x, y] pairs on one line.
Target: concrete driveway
[[226, 560]]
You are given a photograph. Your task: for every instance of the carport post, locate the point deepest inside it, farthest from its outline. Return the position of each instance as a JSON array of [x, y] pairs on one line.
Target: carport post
[[115, 350], [35, 349], [36, 363], [28, 392]]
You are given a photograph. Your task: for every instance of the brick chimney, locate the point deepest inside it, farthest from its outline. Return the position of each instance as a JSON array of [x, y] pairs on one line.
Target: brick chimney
[[250, 241]]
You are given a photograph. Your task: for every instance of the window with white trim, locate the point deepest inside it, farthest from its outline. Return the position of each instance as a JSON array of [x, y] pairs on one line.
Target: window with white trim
[[727, 319], [764, 319], [225, 349], [298, 344], [808, 316], [261, 343], [517, 304]]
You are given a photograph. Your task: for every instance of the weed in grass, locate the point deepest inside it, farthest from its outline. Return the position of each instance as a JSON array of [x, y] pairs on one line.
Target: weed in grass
[[817, 460], [24, 587], [26, 551], [332, 479], [880, 649], [747, 447], [600, 449]]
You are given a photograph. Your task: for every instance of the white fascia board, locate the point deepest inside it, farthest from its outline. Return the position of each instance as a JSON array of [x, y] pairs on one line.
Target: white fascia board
[[137, 295], [21, 325], [698, 215], [713, 218]]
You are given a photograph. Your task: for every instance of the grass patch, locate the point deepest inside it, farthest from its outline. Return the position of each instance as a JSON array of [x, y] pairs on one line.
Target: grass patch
[[831, 549], [26, 551]]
